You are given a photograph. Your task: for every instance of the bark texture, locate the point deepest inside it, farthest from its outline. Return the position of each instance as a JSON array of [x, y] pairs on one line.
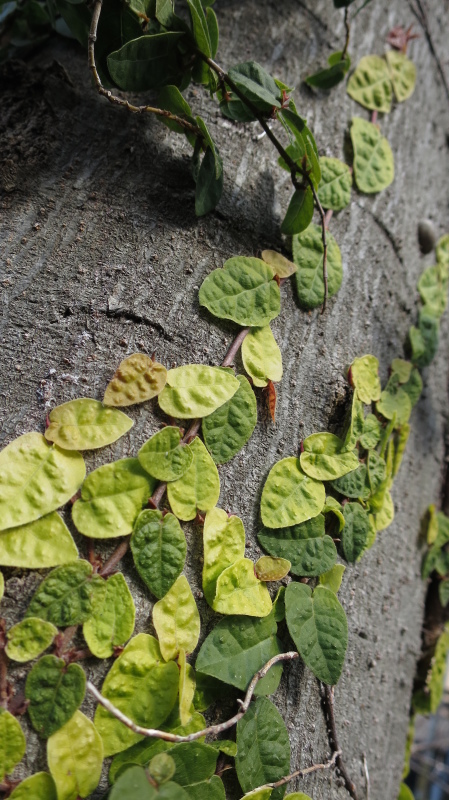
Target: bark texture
[[101, 255]]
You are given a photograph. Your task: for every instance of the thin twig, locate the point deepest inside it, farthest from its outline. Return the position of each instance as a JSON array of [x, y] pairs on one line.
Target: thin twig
[[327, 699], [212, 730], [367, 780], [230, 355], [348, 34], [3, 679], [300, 773]]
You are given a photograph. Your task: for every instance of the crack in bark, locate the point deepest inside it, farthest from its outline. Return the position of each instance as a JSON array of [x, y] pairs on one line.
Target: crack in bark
[[132, 316], [385, 230]]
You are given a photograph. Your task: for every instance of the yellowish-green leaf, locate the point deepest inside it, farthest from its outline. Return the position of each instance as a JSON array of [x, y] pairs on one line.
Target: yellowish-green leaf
[[164, 456], [46, 542], [196, 390], [280, 265], [332, 578], [261, 356], [385, 516], [187, 685], [111, 498], [334, 191], [442, 250], [400, 443], [176, 620], [258, 794], [370, 84], [75, 758], [85, 424], [199, 487], [405, 793], [308, 255], [402, 74], [12, 743], [224, 544], [112, 621], [2, 586], [290, 496], [159, 549], [371, 432], [394, 402], [373, 157], [138, 378], [35, 479], [40, 786], [238, 591], [435, 678], [325, 458], [243, 291], [364, 376], [269, 568], [432, 286], [29, 638], [355, 423]]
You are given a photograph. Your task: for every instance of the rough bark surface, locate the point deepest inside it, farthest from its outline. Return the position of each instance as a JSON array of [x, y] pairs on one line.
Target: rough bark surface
[[102, 256]]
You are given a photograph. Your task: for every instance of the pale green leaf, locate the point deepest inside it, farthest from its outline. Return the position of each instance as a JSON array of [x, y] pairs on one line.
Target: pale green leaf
[[29, 638], [40, 786], [402, 73], [402, 369], [318, 627], [280, 265], [161, 768], [370, 84], [310, 551], [133, 783], [35, 479], [224, 544], [243, 291], [164, 457], [229, 428], [324, 457], [355, 533], [355, 423], [111, 498], [334, 191], [394, 402], [433, 286], [270, 568], [289, 495], [112, 621], [65, 596], [138, 378], [85, 424], [196, 390], [187, 686], [238, 591], [141, 685], [263, 747], [199, 487], [258, 794], [308, 255], [75, 758], [385, 515], [373, 157], [159, 550], [435, 678], [364, 376], [176, 620], [442, 250], [12, 743], [261, 356], [400, 443], [46, 542], [371, 432], [404, 792], [55, 691], [333, 578], [2, 586]]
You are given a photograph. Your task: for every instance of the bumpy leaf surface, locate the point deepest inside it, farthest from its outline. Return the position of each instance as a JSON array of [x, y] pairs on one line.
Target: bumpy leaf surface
[[433, 286], [35, 479], [64, 596], [308, 255], [334, 191], [243, 291], [199, 487], [164, 457], [12, 743], [238, 591], [85, 424], [196, 390], [268, 568], [112, 621], [370, 84], [263, 747], [159, 549], [365, 378], [138, 378], [55, 692], [111, 498], [75, 758], [318, 627], [194, 761], [310, 551], [29, 638], [373, 157], [290, 496], [224, 544], [394, 402], [371, 432], [424, 339], [280, 265], [187, 686], [176, 620], [40, 786], [402, 74], [46, 542], [355, 533], [261, 356], [442, 250], [229, 428], [324, 457]]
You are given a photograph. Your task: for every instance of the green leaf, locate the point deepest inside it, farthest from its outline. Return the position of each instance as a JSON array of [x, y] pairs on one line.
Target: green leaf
[[308, 255], [432, 286], [140, 685], [237, 648], [206, 790], [196, 390], [443, 592], [164, 12], [148, 62], [86, 424], [194, 761], [355, 533], [228, 429], [289, 495], [324, 457], [402, 74], [65, 596], [305, 150], [356, 423], [257, 86], [55, 691], [442, 250], [133, 783], [200, 27], [112, 621], [187, 686], [224, 544], [404, 792], [363, 481], [370, 84], [12, 743], [268, 568], [310, 551], [332, 75], [238, 591], [164, 457], [225, 746], [162, 767], [373, 158], [137, 379], [159, 550], [394, 403], [280, 265], [111, 498], [334, 191], [318, 627], [199, 487], [371, 432], [243, 291], [209, 183], [400, 443], [29, 638], [47, 542], [364, 376], [176, 620], [2, 586], [75, 758], [333, 578], [77, 18], [261, 356], [385, 515], [212, 26], [299, 213], [171, 99], [435, 678], [36, 478], [40, 786], [424, 339], [263, 747]]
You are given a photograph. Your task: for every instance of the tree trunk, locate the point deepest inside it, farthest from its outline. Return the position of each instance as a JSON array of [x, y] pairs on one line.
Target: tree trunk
[[103, 256]]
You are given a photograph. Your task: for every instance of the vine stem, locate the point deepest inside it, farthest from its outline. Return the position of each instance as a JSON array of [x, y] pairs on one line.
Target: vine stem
[[327, 699], [300, 773], [348, 34], [212, 730]]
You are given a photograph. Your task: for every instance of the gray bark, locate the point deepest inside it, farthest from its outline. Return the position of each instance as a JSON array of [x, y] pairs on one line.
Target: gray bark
[[102, 256]]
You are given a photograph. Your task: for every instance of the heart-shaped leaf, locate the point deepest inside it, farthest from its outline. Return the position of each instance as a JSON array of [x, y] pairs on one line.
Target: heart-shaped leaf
[[224, 544], [371, 432], [176, 620], [324, 457], [333, 75], [29, 638], [199, 487], [394, 402], [164, 457], [40, 786], [261, 356], [263, 747], [402, 73], [243, 291], [373, 158], [238, 591], [308, 255], [363, 481], [65, 596], [12, 743], [229, 428], [112, 621], [46, 542], [370, 84], [355, 533], [75, 758], [307, 547], [159, 550], [196, 390], [289, 495], [433, 286], [364, 376], [138, 378], [334, 191], [55, 691], [424, 338], [86, 424]]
